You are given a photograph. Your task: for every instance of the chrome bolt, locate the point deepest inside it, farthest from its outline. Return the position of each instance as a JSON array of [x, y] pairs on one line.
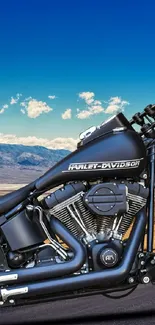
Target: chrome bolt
[[145, 176], [141, 255], [89, 257], [153, 261], [11, 301], [1, 303], [143, 271], [142, 263], [131, 280], [146, 279], [86, 200]]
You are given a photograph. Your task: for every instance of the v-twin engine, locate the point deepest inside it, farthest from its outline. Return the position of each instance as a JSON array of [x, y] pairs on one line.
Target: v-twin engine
[[103, 211]]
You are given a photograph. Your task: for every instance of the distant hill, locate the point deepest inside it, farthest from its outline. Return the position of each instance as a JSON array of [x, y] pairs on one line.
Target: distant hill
[[22, 164]]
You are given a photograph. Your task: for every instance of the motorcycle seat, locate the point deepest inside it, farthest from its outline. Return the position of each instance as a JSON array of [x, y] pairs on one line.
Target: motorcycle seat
[[10, 200]]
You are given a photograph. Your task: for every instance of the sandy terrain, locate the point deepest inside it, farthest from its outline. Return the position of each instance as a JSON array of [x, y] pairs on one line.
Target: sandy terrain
[[6, 188]]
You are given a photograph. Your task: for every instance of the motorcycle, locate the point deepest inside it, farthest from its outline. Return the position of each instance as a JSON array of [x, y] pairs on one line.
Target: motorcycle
[[93, 233]]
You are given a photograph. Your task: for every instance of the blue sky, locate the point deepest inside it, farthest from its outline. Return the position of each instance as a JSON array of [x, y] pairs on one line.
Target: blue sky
[[96, 56]]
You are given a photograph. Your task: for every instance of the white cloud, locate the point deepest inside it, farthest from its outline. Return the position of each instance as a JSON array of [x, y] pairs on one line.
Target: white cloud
[[83, 114], [22, 110], [57, 143], [97, 102], [115, 100], [51, 96], [89, 101], [4, 107], [115, 104], [93, 106], [96, 109], [112, 109], [23, 104], [87, 96], [28, 98], [34, 108], [13, 101], [16, 99], [124, 102], [67, 114]]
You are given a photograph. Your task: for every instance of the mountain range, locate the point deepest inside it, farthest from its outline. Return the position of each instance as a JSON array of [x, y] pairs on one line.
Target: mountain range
[[23, 164]]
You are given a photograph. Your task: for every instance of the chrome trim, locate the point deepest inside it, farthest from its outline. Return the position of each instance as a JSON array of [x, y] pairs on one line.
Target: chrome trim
[[8, 277], [56, 246], [12, 292]]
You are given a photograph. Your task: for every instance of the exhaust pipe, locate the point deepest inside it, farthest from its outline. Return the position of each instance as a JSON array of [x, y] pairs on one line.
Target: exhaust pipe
[[50, 271], [104, 279]]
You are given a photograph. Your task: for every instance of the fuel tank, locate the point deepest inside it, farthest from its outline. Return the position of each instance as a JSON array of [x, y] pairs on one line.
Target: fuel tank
[[120, 154]]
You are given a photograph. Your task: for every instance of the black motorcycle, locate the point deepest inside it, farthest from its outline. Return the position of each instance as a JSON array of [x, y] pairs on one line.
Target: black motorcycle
[[93, 233]]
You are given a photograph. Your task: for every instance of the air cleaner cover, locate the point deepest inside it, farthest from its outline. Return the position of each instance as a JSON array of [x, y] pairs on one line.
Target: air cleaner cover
[[107, 199]]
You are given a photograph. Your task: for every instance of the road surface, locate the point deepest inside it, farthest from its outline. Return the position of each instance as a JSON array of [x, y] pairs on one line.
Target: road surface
[[138, 308]]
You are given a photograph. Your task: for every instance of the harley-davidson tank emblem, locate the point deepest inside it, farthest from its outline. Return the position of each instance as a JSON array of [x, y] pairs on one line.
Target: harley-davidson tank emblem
[[87, 166]]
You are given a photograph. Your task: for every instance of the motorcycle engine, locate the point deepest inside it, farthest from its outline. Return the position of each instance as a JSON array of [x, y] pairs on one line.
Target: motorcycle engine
[[99, 213], [103, 211]]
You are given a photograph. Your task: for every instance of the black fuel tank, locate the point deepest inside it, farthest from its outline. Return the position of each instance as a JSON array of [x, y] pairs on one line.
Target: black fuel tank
[[117, 154], [118, 120]]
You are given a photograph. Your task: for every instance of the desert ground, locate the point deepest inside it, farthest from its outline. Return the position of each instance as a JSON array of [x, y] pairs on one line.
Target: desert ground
[[6, 188]]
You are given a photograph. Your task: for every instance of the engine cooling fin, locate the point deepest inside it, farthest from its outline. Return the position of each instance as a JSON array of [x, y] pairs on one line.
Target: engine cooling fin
[[82, 223], [63, 210]]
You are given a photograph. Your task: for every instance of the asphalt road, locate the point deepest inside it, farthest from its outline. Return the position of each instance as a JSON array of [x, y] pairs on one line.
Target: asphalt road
[[138, 308]]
